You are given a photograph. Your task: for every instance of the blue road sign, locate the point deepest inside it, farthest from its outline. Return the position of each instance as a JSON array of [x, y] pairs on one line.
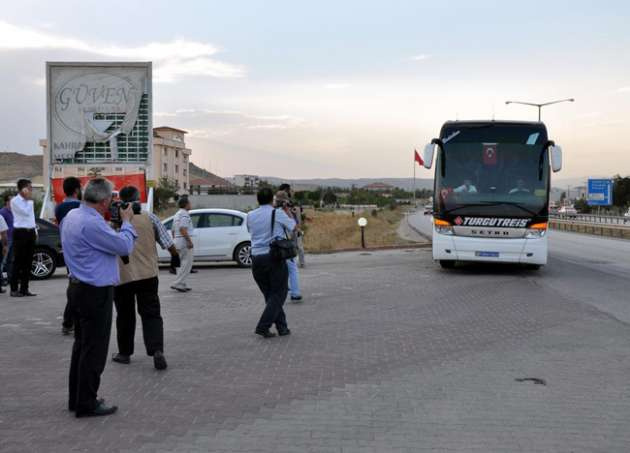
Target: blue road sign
[[600, 192]]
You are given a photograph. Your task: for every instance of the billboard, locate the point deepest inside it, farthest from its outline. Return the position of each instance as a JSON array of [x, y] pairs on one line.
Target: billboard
[[119, 176], [600, 192], [99, 116]]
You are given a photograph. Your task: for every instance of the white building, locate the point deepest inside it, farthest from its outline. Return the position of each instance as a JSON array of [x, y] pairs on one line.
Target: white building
[[171, 158], [246, 181]]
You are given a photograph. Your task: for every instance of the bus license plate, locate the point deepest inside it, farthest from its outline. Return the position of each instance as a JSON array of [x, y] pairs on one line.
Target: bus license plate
[[488, 254]]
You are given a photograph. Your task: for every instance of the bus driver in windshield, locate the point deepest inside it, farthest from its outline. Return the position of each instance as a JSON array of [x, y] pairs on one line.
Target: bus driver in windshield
[[520, 187], [467, 187]]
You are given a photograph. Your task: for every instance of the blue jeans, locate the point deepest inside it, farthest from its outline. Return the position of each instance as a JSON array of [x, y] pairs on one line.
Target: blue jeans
[[294, 278]]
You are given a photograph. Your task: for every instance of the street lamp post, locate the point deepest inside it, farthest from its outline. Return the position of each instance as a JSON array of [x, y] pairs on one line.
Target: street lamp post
[[540, 106]]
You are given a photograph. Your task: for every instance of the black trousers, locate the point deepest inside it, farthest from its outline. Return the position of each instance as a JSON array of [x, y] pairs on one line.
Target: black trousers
[[68, 321], [92, 312], [144, 293], [23, 246], [272, 277]]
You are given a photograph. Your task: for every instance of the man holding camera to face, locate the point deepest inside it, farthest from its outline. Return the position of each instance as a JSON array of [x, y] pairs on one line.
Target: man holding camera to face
[[139, 284], [91, 248], [266, 224]]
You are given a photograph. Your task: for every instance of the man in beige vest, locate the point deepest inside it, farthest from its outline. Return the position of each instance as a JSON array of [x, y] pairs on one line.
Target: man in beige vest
[[139, 284]]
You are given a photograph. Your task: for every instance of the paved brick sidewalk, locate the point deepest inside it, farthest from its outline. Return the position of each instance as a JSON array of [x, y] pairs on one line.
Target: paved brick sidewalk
[[389, 353]]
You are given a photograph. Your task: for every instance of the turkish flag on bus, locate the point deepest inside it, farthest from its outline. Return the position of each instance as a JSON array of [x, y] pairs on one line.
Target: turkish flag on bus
[[489, 153]]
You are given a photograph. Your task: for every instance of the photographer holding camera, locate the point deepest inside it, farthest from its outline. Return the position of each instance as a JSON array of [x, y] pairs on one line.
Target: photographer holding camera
[[266, 224], [283, 200], [90, 249], [139, 284]]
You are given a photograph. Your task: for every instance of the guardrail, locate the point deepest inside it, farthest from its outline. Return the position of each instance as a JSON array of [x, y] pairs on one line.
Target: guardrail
[[593, 218]]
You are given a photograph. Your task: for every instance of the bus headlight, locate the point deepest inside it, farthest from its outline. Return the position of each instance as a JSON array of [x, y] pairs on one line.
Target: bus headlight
[[442, 226], [536, 230]]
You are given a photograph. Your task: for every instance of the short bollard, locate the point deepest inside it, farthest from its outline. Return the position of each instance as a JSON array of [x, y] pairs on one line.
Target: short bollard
[[362, 224]]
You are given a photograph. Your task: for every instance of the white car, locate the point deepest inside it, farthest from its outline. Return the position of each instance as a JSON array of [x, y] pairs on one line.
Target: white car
[[219, 235], [568, 211]]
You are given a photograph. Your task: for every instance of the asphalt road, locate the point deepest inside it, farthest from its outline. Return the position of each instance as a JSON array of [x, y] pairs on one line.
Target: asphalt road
[[389, 353]]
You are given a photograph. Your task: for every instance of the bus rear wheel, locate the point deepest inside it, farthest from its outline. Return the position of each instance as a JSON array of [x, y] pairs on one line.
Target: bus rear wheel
[[447, 264]]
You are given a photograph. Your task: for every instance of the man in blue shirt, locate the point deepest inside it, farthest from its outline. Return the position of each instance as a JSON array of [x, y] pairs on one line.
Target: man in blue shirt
[[271, 275], [72, 189], [91, 250], [6, 213]]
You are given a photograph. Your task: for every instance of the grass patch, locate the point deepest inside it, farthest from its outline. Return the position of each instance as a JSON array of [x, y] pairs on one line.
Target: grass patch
[[336, 230]]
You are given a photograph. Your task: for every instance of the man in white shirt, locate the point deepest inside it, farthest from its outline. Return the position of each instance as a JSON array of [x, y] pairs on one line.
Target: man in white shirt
[[24, 237], [183, 230], [467, 187]]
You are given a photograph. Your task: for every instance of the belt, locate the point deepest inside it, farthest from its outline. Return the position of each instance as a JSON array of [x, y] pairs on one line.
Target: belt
[[23, 229]]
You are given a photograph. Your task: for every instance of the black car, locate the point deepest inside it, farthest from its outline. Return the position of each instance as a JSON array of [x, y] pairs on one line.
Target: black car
[[48, 254]]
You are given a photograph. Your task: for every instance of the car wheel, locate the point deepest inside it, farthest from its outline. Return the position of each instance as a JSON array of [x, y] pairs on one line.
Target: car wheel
[[447, 264], [242, 254], [43, 265]]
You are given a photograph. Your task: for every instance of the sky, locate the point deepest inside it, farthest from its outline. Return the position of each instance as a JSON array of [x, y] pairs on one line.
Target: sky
[[301, 89]]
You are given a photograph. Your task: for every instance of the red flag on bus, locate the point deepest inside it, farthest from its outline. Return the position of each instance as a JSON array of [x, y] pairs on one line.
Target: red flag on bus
[[417, 158], [489, 153]]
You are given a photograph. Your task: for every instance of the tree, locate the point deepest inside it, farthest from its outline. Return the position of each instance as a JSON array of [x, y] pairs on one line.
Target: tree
[[563, 197], [582, 206], [166, 189], [330, 198], [621, 191]]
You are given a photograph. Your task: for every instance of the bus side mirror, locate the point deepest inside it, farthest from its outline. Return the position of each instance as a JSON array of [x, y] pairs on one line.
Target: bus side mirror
[[555, 155], [428, 155]]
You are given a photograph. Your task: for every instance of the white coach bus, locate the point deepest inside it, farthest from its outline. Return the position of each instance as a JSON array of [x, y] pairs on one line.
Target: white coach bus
[[491, 191]]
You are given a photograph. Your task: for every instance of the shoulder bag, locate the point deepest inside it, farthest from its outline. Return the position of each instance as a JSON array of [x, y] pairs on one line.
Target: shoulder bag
[[281, 249]]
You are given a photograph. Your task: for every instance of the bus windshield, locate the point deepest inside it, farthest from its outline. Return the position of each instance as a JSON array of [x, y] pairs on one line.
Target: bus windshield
[[493, 169]]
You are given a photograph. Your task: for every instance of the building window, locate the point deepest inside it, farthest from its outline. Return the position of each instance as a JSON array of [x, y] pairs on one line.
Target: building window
[[165, 151], [184, 186], [176, 154], [165, 168], [184, 172], [176, 168]]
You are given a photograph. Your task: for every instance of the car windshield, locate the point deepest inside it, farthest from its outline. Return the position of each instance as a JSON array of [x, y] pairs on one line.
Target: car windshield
[[493, 170]]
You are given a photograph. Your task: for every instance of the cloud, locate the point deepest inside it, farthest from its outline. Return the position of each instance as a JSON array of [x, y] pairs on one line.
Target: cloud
[[172, 60], [336, 86], [420, 57], [623, 90], [208, 123]]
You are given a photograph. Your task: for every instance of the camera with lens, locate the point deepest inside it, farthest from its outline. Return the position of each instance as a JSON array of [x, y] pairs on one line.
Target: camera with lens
[[116, 206]]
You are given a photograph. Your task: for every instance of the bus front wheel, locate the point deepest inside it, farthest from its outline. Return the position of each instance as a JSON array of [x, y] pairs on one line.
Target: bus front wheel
[[447, 264]]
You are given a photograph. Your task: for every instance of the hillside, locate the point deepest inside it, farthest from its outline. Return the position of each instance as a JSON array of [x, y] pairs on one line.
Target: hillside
[[15, 165]]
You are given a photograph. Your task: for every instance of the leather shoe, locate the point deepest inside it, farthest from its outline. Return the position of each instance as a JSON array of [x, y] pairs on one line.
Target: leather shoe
[[121, 358], [265, 333], [159, 362], [98, 401], [100, 410], [67, 330], [179, 288], [284, 332], [28, 294]]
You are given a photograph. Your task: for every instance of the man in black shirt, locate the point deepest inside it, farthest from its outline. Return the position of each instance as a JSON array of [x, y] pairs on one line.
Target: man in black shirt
[[72, 189]]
